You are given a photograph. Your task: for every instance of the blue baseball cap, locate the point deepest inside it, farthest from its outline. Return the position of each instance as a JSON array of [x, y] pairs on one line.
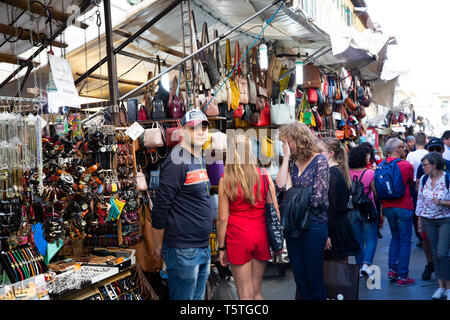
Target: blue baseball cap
[[193, 118]]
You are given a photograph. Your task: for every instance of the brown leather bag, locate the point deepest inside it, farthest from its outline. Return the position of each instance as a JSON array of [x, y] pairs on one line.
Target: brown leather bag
[[144, 249], [349, 104], [311, 76]]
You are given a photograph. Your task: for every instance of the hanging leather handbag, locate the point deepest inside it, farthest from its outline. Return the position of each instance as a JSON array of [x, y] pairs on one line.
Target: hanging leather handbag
[[211, 64], [239, 111], [142, 114], [282, 113], [254, 117], [132, 110], [175, 105], [215, 172], [267, 148], [212, 109], [154, 180], [260, 103], [312, 95], [264, 118], [174, 135], [252, 94], [141, 182], [311, 76], [154, 137], [235, 94], [349, 104], [241, 80], [219, 141]]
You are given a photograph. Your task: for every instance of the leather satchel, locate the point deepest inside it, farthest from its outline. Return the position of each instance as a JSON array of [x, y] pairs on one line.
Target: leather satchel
[[252, 94], [211, 64], [132, 110], [142, 114], [241, 80], [153, 137], [175, 105], [311, 76], [349, 104], [174, 135], [264, 118], [141, 182], [282, 113], [212, 110]]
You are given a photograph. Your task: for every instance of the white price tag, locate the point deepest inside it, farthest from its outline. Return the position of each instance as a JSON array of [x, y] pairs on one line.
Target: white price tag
[[134, 131], [337, 116]]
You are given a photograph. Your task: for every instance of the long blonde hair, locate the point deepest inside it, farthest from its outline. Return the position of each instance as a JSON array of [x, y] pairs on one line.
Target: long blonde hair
[[241, 172], [340, 156]]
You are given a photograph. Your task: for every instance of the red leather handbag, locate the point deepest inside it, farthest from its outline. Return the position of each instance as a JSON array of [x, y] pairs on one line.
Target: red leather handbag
[[174, 135], [312, 95], [142, 114], [264, 118], [238, 112]]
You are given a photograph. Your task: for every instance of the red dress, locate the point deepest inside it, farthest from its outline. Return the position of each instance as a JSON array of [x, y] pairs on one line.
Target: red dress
[[246, 236]]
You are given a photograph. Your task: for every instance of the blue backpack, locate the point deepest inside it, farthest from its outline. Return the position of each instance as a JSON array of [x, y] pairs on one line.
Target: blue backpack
[[388, 180]]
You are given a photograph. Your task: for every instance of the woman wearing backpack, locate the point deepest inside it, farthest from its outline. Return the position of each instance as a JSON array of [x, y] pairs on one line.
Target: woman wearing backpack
[[341, 241], [304, 167], [433, 209], [365, 232]]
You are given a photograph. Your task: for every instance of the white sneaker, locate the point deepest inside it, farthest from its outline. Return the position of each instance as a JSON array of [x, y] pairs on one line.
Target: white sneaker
[[439, 294], [365, 271]]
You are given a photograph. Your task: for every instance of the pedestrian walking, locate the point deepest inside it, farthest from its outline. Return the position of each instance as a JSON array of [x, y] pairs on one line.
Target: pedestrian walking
[[411, 143], [303, 165], [433, 208], [434, 145], [365, 231], [182, 213], [393, 180], [415, 159], [341, 242], [241, 224], [446, 140]]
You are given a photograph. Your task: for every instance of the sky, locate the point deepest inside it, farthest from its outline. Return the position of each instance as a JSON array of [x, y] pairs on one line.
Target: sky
[[422, 55]]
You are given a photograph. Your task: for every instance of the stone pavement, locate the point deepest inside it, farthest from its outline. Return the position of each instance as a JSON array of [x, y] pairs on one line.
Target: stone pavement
[[277, 287]]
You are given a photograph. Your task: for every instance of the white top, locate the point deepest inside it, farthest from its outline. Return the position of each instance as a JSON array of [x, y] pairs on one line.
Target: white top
[[446, 154], [415, 158], [425, 205]]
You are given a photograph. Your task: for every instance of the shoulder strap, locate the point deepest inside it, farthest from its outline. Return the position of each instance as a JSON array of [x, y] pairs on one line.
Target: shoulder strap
[[447, 180], [424, 179], [360, 178]]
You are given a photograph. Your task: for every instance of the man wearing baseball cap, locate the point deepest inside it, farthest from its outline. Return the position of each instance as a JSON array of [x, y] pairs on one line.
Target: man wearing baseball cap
[[182, 212], [433, 145]]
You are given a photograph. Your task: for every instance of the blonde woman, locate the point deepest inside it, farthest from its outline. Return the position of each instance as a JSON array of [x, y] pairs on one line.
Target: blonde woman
[[241, 224], [304, 165]]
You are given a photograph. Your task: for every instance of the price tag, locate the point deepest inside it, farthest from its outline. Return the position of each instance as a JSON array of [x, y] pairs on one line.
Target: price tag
[[337, 116], [134, 131]]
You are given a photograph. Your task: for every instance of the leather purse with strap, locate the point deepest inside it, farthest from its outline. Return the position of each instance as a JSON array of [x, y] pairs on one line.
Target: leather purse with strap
[[242, 81]]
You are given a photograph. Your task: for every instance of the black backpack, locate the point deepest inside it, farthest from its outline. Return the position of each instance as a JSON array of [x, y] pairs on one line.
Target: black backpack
[[359, 200]]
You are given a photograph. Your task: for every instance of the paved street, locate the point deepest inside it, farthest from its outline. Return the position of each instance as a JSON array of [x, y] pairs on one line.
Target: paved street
[[283, 288]]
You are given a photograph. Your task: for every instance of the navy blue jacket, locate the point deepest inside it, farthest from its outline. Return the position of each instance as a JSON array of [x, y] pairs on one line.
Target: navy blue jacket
[[182, 203]]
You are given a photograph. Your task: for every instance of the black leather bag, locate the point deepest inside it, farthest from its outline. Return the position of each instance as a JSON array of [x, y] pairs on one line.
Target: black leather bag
[[295, 210], [132, 110], [158, 110], [274, 228], [341, 280]]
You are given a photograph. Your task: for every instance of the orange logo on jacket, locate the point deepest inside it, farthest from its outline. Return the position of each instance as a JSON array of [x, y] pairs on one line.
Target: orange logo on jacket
[[196, 176]]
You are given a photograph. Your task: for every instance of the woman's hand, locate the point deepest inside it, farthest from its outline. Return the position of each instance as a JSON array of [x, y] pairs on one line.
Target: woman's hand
[[328, 244], [436, 201], [286, 150], [223, 258]]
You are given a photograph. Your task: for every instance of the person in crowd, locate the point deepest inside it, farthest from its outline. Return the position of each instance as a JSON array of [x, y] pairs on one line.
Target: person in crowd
[[446, 140], [415, 157], [241, 224], [182, 212], [411, 143], [434, 145], [365, 232], [399, 213], [341, 241], [379, 156], [372, 164], [433, 209], [304, 165]]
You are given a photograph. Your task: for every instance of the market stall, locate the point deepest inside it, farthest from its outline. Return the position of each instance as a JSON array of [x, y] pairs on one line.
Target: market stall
[[77, 181]]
